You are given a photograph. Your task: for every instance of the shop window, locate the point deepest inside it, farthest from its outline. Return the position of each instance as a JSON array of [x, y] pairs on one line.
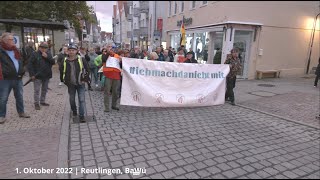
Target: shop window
[[182, 6], [202, 42]]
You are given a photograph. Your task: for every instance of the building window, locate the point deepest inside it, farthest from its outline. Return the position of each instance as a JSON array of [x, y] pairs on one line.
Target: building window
[[182, 6], [204, 2], [175, 7], [170, 8], [193, 4]]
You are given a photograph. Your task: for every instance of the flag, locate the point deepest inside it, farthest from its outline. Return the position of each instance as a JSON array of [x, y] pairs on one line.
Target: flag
[[183, 35]]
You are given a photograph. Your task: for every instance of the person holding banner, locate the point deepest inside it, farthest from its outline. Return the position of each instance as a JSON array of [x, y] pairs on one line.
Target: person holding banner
[[235, 66], [112, 72]]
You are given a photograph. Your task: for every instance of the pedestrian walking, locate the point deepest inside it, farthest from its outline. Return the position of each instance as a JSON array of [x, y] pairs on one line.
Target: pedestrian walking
[[317, 74], [235, 66], [11, 72], [93, 68], [40, 70], [61, 56], [72, 73]]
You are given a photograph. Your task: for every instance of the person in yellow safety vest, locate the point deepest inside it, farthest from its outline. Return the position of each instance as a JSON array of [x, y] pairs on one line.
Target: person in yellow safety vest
[[72, 73], [112, 81]]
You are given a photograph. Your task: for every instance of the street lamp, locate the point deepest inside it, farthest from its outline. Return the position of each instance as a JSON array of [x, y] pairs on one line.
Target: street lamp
[[311, 44]]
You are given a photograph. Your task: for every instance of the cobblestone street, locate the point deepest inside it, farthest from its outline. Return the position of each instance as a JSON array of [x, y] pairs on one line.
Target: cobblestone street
[[212, 142], [32, 142]]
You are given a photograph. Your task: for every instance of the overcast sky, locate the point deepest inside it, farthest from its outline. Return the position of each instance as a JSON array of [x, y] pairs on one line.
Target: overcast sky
[[104, 11]]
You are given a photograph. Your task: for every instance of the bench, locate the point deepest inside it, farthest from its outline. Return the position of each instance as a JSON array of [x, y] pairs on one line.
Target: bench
[[276, 73]]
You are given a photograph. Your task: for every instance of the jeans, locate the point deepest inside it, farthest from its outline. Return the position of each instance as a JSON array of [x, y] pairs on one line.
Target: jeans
[[111, 84], [72, 89], [94, 73], [231, 83], [43, 85], [5, 88]]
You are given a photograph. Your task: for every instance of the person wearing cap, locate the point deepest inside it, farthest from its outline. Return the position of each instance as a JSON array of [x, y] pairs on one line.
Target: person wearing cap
[[71, 73], [190, 58], [40, 70], [11, 72]]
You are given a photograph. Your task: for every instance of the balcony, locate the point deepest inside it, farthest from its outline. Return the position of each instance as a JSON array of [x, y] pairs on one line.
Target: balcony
[[136, 12], [129, 17], [144, 6]]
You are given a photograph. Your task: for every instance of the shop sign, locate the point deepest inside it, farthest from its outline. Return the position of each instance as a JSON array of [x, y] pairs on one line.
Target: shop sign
[[186, 22]]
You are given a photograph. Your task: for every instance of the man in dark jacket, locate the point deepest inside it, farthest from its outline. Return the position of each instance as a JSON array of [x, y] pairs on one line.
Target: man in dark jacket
[[72, 73], [190, 58], [11, 72], [40, 70]]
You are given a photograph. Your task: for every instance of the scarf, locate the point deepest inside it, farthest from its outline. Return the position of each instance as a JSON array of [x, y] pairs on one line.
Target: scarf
[[12, 48]]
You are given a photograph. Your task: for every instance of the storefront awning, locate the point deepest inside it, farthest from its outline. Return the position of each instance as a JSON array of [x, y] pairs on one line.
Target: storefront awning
[[34, 23], [213, 27]]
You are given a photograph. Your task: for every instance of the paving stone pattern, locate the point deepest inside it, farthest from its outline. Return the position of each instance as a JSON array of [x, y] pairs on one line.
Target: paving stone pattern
[[33, 142], [210, 142]]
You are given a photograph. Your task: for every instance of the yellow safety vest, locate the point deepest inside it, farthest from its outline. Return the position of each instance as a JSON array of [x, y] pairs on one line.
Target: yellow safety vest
[[65, 65]]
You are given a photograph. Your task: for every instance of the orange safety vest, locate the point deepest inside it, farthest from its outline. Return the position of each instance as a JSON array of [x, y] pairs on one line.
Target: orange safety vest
[[106, 69]]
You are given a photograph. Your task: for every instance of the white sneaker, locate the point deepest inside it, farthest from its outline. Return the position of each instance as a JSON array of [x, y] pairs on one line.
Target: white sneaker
[[60, 83], [97, 85], [2, 120]]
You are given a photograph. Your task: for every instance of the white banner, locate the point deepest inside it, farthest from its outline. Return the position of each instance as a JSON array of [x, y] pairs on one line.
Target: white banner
[[113, 62], [169, 84]]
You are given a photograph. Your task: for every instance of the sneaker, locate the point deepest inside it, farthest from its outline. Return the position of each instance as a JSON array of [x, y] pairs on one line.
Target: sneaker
[[97, 85], [115, 108], [74, 113], [60, 83], [2, 120], [315, 86], [24, 115], [82, 119], [233, 104], [37, 106], [106, 110], [45, 104]]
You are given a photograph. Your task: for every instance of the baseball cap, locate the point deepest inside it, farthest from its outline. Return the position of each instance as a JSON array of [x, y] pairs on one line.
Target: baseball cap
[[44, 45], [72, 46]]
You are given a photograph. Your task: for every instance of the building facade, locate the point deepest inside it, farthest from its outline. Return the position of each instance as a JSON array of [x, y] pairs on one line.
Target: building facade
[[268, 36]]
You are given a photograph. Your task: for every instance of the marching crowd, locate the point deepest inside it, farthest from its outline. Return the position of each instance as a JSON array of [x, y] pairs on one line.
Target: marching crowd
[[78, 67]]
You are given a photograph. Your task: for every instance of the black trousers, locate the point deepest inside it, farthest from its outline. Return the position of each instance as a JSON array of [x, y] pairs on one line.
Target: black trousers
[[231, 83], [316, 80]]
